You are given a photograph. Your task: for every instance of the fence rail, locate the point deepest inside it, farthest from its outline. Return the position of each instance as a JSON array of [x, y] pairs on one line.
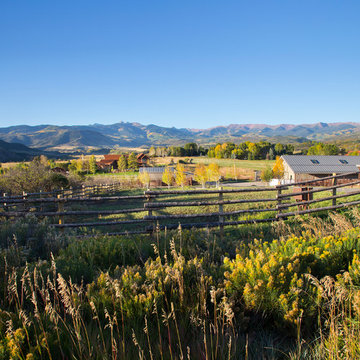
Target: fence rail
[[142, 213], [66, 192]]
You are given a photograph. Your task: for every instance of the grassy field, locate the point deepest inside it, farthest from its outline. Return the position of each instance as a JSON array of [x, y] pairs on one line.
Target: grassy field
[[269, 291], [229, 168], [241, 164], [282, 290]]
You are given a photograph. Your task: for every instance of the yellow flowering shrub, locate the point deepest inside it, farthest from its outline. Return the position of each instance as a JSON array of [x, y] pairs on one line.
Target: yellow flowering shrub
[[271, 276]]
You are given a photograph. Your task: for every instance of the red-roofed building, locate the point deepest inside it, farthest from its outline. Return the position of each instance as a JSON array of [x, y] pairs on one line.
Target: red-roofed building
[[143, 159]]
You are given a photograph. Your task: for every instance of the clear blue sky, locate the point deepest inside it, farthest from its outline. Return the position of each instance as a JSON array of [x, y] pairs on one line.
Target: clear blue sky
[[179, 63]]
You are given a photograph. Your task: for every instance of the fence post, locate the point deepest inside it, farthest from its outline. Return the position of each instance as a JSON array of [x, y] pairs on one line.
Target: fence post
[[41, 204], [24, 203], [221, 210], [150, 213], [60, 209], [334, 182], [5, 205], [278, 207]]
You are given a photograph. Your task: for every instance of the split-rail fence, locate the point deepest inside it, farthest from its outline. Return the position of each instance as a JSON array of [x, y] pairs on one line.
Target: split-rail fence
[[106, 206]]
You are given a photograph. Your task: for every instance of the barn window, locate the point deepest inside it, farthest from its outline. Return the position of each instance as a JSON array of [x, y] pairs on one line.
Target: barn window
[[343, 161], [315, 161]]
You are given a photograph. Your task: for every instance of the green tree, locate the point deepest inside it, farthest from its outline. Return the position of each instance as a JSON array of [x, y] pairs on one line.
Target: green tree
[[271, 154], [122, 163], [279, 149], [132, 162], [323, 149], [191, 149], [92, 164], [79, 166], [73, 166], [266, 174]]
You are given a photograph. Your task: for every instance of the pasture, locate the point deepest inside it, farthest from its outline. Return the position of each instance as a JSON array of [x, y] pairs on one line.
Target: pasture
[[285, 289]]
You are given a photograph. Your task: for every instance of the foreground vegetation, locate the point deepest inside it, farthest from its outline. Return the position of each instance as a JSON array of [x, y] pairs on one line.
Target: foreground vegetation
[[288, 290]]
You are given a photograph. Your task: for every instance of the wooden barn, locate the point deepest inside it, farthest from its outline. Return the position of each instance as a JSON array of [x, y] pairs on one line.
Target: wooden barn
[[314, 167]]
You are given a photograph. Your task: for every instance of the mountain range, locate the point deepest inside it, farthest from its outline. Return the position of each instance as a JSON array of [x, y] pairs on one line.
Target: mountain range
[[124, 134]]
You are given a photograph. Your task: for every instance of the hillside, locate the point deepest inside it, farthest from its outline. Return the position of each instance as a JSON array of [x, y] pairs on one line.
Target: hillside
[[50, 137], [19, 152]]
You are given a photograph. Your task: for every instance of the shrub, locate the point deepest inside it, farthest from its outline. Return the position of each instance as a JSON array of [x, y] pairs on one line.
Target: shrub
[[267, 174]]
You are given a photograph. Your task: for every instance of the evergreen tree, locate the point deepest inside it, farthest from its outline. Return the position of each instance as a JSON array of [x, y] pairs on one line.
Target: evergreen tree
[[132, 161], [122, 163]]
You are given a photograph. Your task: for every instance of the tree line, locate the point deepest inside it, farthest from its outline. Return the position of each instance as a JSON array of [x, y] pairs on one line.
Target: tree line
[[189, 149], [250, 150], [262, 150]]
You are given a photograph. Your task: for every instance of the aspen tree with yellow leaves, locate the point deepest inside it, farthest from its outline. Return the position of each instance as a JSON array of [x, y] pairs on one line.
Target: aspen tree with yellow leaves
[[278, 169]]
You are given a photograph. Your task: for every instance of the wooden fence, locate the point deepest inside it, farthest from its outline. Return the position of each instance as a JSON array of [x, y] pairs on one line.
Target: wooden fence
[[142, 213], [85, 190]]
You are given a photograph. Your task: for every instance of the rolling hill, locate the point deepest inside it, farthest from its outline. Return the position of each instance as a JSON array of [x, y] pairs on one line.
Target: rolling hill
[[20, 152]]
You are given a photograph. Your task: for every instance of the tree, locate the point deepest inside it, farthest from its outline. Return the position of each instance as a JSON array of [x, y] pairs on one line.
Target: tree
[[266, 174], [218, 151], [323, 149], [73, 166], [132, 161], [191, 149], [144, 178], [271, 154], [79, 166], [168, 176], [31, 177], [152, 151], [279, 149], [278, 169], [213, 173], [92, 164], [201, 175], [122, 163], [180, 176]]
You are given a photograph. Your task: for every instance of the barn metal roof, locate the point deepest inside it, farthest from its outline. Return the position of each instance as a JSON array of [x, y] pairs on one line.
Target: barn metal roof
[[152, 170], [322, 164]]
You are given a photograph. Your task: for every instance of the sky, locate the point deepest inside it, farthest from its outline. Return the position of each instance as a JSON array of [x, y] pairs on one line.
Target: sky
[[193, 64]]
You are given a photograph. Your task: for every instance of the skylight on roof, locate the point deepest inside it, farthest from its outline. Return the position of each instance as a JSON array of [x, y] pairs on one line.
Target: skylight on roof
[[343, 161], [314, 161]]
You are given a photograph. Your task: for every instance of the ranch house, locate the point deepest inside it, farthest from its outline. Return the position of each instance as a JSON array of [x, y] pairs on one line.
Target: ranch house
[[111, 161]]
